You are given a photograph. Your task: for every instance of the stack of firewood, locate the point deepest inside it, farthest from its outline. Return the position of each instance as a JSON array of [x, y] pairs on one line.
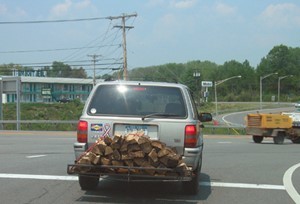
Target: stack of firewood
[[133, 150]]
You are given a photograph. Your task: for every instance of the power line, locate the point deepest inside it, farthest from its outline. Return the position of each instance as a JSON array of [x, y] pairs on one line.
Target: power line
[[55, 21], [57, 49], [65, 62]]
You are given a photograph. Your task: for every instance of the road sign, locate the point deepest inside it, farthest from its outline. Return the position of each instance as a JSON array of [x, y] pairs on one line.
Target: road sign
[[46, 91], [206, 83]]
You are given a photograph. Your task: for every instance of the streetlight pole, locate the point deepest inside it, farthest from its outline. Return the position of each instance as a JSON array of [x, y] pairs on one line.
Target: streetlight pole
[[260, 87], [1, 102], [218, 83], [197, 75], [279, 78]]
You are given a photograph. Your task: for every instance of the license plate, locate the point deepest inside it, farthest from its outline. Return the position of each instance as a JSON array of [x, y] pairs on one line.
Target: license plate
[[150, 130]]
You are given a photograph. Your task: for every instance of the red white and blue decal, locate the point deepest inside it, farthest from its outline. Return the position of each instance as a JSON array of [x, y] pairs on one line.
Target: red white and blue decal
[[97, 127]]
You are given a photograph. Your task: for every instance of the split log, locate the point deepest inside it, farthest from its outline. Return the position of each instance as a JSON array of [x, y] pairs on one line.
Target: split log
[[157, 144], [146, 147], [108, 150], [117, 163], [116, 142], [107, 140], [153, 155], [182, 169], [137, 154], [116, 155], [133, 147], [105, 161], [126, 156]]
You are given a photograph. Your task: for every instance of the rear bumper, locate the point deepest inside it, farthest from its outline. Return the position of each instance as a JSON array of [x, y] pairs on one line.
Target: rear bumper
[[79, 149], [193, 156]]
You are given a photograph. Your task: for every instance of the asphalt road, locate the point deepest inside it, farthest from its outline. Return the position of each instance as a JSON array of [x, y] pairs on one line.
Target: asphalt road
[[235, 170]]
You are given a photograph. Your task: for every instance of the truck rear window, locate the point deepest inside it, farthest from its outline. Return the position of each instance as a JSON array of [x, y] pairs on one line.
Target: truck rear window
[[136, 100]]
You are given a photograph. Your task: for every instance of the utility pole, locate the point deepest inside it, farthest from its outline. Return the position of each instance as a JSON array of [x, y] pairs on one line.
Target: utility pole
[[94, 61], [124, 27]]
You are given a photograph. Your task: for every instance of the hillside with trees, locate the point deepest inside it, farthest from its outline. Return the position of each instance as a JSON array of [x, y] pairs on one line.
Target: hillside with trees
[[281, 59]]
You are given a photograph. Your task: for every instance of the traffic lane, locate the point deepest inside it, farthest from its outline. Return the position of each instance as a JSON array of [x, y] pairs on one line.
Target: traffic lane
[[238, 159], [36, 152], [21, 191]]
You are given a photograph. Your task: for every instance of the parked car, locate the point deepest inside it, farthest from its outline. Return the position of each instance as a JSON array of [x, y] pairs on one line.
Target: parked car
[[164, 111], [64, 100]]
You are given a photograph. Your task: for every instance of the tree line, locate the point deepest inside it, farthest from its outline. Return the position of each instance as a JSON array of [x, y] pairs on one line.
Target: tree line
[[281, 59]]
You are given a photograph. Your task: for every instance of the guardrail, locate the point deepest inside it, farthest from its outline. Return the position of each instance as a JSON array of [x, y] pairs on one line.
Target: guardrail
[[38, 125], [71, 125]]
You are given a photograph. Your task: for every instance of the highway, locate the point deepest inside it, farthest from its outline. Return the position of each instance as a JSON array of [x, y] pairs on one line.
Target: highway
[[235, 170]]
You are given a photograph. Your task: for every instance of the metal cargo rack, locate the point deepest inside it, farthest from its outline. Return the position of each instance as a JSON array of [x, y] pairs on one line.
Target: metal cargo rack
[[128, 173]]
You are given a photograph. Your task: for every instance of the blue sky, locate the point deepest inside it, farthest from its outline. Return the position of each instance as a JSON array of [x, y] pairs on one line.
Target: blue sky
[[165, 31]]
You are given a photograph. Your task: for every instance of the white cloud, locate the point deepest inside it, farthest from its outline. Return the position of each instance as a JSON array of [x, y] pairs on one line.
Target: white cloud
[[165, 27], [3, 9], [155, 3], [61, 9], [286, 14], [13, 14], [83, 4], [68, 6], [183, 4], [224, 9]]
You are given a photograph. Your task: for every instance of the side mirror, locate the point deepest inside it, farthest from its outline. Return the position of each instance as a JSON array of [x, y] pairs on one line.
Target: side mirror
[[205, 117]]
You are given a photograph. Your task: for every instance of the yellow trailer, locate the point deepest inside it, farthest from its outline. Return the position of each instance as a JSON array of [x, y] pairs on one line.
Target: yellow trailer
[[261, 125]]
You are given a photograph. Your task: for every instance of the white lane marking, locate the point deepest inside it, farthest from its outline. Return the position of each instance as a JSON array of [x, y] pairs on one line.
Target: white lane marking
[[243, 185], [287, 182], [39, 177], [224, 142], [35, 156], [212, 184]]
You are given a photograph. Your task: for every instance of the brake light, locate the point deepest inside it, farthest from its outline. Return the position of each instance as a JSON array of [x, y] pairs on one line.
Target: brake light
[[82, 129], [191, 136]]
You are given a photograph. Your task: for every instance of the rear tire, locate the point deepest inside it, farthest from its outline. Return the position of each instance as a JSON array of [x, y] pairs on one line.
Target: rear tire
[[88, 182], [279, 139], [257, 139], [296, 140], [192, 187]]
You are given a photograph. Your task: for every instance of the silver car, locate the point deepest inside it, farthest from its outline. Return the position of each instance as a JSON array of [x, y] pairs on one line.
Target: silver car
[[164, 111]]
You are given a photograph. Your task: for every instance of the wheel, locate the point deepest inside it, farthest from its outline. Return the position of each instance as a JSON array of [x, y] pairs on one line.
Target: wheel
[[257, 139], [192, 187], [296, 140], [88, 182], [279, 139]]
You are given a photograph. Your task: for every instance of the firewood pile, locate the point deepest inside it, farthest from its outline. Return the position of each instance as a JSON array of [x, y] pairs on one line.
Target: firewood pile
[[130, 151]]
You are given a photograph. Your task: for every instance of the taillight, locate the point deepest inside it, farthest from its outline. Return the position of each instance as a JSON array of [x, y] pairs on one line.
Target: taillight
[[191, 136], [82, 129]]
